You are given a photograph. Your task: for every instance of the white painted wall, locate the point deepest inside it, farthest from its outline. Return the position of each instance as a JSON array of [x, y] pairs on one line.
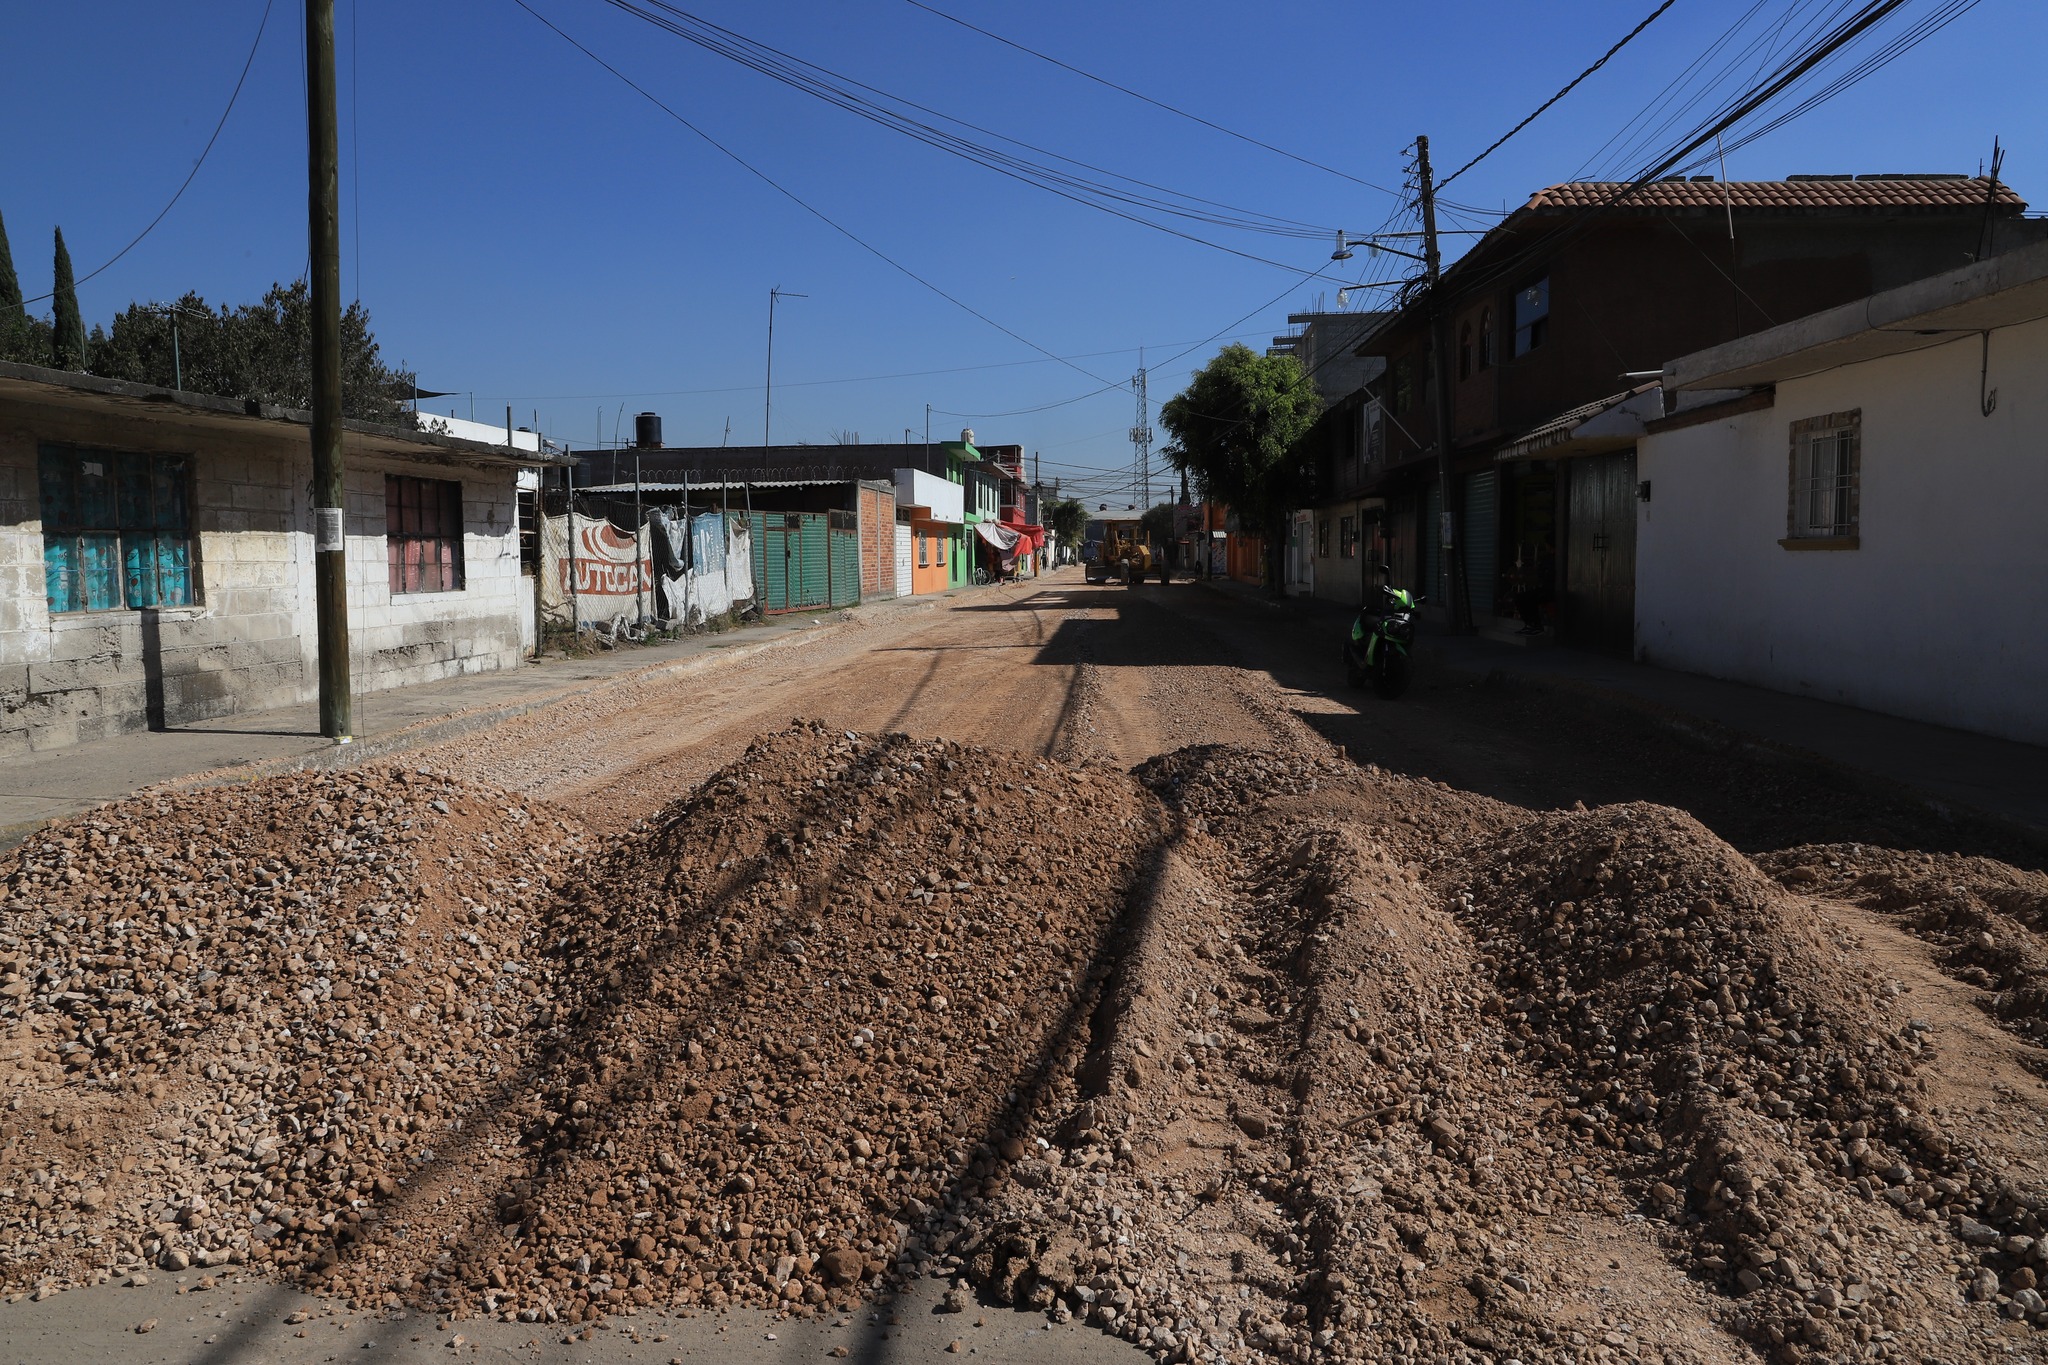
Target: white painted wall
[[915, 488], [1941, 614]]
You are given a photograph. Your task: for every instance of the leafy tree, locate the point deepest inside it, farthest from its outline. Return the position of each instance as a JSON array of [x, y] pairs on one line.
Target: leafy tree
[[1237, 431], [261, 351], [68, 344], [1158, 523], [1067, 519]]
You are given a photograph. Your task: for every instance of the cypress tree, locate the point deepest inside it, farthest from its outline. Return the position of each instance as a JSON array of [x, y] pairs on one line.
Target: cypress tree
[[69, 341], [13, 317]]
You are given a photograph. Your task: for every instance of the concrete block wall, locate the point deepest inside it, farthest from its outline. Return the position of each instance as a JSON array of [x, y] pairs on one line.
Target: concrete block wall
[[418, 637], [249, 642]]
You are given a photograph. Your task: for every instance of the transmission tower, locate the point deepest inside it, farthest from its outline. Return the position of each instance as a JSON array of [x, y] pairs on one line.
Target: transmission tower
[[1141, 437]]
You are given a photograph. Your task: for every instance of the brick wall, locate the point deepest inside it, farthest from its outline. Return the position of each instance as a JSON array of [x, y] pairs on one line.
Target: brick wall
[[248, 643]]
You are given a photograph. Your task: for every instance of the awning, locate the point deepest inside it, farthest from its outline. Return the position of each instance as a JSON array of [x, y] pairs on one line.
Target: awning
[[1611, 423], [998, 535]]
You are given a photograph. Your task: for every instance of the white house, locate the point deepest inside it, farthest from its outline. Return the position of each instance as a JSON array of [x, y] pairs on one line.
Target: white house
[[156, 557], [1854, 505]]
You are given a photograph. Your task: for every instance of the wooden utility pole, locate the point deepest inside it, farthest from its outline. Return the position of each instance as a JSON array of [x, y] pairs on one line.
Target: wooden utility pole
[[1453, 543], [323, 215]]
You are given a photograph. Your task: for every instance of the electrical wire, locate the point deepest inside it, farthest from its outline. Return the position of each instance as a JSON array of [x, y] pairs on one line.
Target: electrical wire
[[1147, 99], [846, 93], [1730, 113], [632, 6], [185, 184], [803, 383], [804, 204], [1570, 85]]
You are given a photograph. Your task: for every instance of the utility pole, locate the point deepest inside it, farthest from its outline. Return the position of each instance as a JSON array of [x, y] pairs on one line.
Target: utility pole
[[768, 388], [323, 215], [1439, 351], [1141, 436]]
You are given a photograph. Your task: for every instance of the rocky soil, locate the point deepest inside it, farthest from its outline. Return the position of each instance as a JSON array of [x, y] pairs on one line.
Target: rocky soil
[[1241, 1054]]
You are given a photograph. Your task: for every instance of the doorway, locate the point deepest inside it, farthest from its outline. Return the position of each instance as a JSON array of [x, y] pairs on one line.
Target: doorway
[[1598, 601]]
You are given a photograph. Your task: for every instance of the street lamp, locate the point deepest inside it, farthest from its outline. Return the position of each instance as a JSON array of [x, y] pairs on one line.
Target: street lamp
[[768, 387]]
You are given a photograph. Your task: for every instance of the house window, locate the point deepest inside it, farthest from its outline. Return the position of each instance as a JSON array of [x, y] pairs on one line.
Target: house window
[[1532, 316], [117, 529], [1486, 338], [923, 552], [939, 551], [1826, 470], [423, 534], [1403, 388], [1347, 537], [1375, 432], [1323, 538], [1465, 350]]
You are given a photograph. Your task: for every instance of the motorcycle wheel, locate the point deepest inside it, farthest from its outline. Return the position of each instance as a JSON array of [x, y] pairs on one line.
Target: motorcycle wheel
[[1353, 673], [1390, 679]]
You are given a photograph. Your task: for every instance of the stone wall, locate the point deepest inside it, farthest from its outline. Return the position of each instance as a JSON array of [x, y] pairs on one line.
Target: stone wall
[[249, 642]]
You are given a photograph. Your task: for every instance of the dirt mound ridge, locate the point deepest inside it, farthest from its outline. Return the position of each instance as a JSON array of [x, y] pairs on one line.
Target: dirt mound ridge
[[1752, 1080], [801, 1015], [1989, 919], [233, 1019]]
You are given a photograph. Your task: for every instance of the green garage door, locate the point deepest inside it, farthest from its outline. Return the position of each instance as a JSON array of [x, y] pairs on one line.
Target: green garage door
[[843, 534]]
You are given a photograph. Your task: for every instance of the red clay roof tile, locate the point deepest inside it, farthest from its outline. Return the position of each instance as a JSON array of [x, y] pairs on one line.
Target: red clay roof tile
[[1752, 195]]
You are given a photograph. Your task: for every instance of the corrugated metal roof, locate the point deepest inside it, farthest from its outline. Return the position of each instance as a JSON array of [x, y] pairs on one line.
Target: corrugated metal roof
[[711, 485], [1871, 192]]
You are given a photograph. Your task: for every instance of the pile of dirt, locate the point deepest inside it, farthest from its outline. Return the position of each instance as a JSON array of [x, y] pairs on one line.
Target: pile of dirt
[[1246, 1055], [234, 1021], [803, 1014], [1760, 1089], [1988, 918]]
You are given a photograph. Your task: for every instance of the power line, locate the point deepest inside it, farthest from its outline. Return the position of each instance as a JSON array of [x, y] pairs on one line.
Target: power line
[[1568, 88], [1147, 99], [802, 203], [845, 92], [234, 95], [812, 383]]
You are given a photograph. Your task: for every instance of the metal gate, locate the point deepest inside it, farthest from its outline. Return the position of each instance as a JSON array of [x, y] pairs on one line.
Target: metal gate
[[791, 560], [842, 563], [1599, 606]]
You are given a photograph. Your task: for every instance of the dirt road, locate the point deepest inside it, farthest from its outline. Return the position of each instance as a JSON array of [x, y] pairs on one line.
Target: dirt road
[[1153, 982]]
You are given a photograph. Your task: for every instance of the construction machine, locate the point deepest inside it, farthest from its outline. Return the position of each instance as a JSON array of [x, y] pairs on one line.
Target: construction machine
[[1126, 555]]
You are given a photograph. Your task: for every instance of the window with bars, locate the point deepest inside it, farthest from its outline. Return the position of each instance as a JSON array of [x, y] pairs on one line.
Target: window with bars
[[117, 529], [423, 534], [1323, 538], [1826, 469], [1347, 537]]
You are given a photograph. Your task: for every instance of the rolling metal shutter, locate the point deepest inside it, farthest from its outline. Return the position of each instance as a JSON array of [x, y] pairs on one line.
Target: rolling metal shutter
[[1481, 529]]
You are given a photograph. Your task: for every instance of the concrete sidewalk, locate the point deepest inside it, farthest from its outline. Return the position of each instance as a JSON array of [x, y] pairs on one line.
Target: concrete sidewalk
[[41, 787], [2005, 779]]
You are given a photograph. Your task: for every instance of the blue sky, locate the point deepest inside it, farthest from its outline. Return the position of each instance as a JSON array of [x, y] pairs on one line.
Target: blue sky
[[532, 230]]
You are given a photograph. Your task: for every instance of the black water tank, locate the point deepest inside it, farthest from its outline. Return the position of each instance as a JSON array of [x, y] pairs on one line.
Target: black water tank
[[647, 430]]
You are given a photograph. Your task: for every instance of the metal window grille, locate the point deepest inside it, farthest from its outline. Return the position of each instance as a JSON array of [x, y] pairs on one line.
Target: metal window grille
[[117, 529], [423, 534], [1827, 502]]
